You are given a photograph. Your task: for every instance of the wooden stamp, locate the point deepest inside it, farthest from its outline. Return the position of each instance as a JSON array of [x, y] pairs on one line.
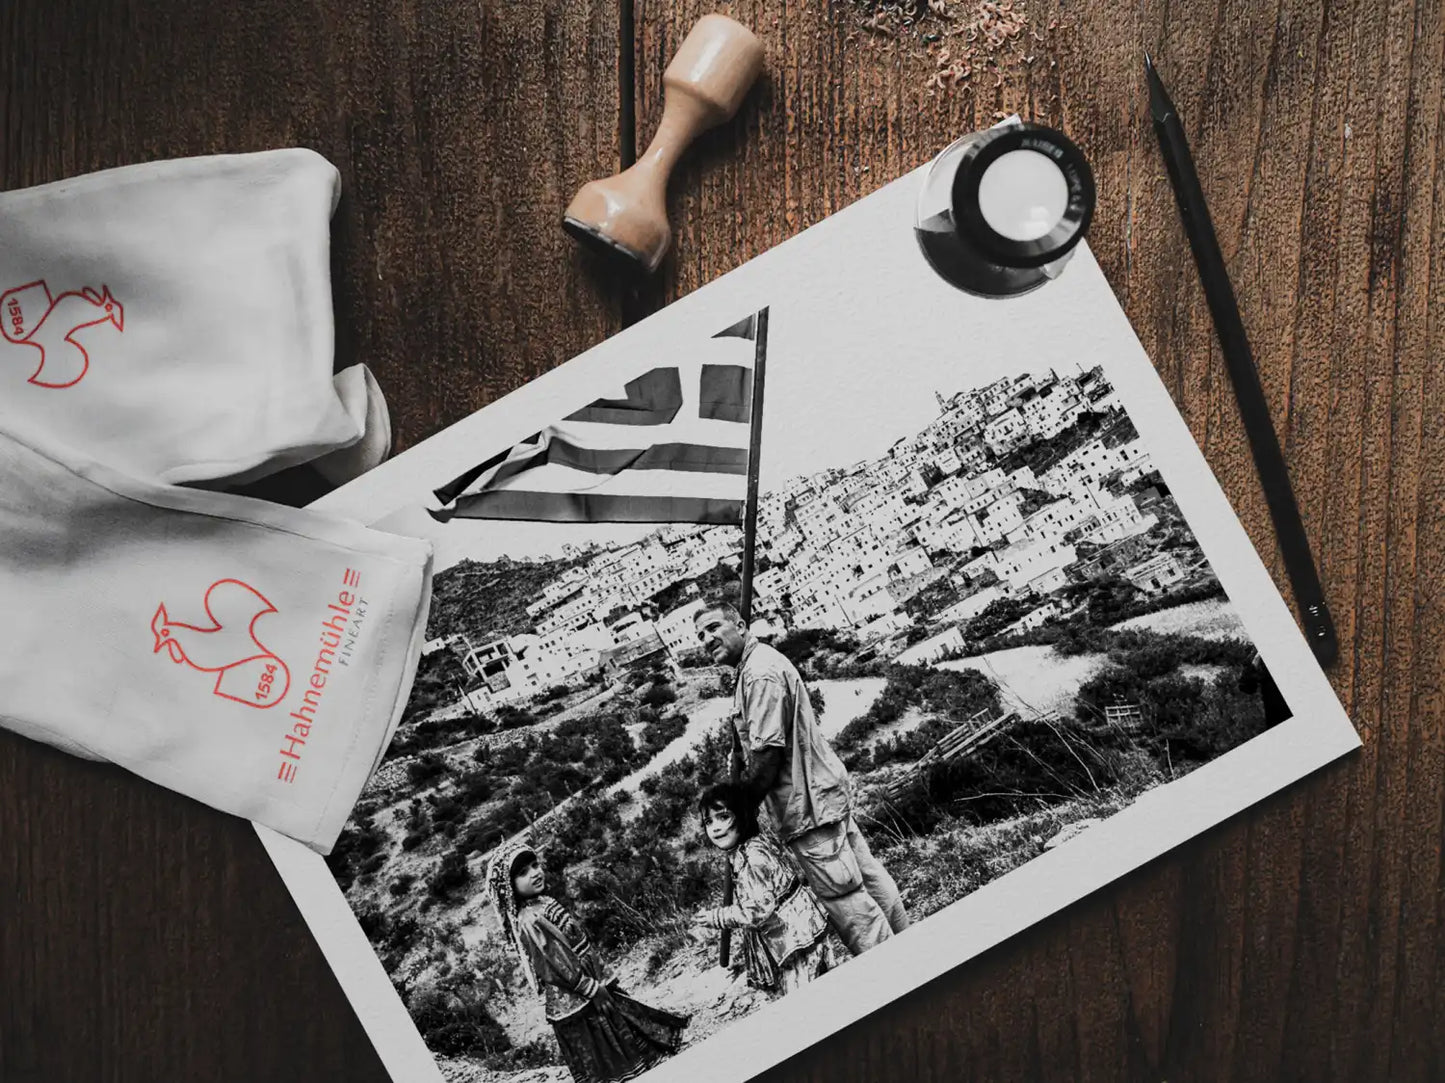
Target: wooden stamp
[[626, 214]]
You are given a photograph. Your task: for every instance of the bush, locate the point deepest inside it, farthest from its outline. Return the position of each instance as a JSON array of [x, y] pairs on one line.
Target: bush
[[447, 810], [401, 885], [475, 787], [394, 937], [801, 645], [425, 769], [479, 838], [999, 615], [659, 695], [657, 735], [1036, 765], [538, 1053], [451, 875], [510, 717], [455, 1022], [353, 846]]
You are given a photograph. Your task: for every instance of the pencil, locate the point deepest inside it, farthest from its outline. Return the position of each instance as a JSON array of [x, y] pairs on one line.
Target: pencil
[[1268, 460]]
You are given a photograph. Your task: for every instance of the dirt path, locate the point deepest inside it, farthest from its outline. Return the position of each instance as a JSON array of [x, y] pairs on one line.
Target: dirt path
[[1034, 679], [702, 719], [844, 701]]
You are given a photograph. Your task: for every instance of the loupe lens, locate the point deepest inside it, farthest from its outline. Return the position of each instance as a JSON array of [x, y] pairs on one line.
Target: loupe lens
[[1000, 210], [1023, 195]]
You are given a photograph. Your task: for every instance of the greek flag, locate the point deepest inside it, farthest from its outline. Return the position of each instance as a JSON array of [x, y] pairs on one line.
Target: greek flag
[[672, 448]]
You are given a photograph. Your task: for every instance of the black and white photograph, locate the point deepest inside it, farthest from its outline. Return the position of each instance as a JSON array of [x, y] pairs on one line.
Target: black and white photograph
[[617, 816], [784, 652]]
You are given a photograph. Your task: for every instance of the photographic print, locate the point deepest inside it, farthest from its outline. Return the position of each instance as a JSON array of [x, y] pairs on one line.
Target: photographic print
[[968, 648], [793, 651]]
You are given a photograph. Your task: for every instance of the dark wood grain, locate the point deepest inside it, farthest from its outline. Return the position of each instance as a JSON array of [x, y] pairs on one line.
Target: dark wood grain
[[143, 937]]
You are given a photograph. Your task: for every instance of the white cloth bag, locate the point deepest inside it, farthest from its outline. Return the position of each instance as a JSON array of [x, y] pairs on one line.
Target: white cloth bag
[[171, 323], [174, 319], [253, 656]]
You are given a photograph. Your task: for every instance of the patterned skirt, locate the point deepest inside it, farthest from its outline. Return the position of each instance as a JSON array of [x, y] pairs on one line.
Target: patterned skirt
[[604, 1045]]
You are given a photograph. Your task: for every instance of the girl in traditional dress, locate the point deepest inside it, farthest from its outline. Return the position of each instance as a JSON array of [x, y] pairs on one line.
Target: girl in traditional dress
[[604, 1034], [784, 932]]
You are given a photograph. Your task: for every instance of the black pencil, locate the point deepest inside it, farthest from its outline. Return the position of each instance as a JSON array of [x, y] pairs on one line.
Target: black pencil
[[1268, 460]]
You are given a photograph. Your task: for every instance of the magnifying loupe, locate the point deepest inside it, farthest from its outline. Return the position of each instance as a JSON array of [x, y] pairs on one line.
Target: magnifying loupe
[[1002, 210]]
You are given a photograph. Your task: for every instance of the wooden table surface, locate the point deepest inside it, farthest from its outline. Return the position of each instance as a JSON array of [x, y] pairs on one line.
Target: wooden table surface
[[144, 937]]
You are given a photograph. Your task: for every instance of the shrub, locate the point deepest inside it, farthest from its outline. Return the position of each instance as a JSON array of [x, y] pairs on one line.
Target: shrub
[[801, 645], [475, 787], [659, 695], [956, 695], [452, 874], [455, 1022], [425, 769], [353, 846], [657, 735], [402, 884], [479, 837], [510, 717], [447, 810]]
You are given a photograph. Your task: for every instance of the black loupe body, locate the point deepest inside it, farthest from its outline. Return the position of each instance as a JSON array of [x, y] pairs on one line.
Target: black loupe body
[[1001, 210]]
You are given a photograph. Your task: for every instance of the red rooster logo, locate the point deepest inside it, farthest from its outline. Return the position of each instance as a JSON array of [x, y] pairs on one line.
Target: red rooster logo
[[29, 316], [245, 670]]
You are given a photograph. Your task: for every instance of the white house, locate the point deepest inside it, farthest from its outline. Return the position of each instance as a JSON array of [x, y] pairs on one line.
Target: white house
[[1021, 563], [1155, 574], [1119, 518], [992, 523], [678, 629], [1006, 431], [1034, 618]]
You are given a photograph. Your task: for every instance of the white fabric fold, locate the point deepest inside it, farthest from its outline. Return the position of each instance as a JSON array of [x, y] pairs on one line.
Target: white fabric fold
[[163, 328], [252, 656], [175, 318]]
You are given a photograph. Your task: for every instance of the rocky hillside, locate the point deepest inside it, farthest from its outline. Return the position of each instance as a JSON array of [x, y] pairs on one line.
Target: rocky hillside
[[485, 600]]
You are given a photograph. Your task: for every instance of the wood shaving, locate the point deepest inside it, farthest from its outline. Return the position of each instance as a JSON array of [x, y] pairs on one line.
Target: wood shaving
[[963, 39]]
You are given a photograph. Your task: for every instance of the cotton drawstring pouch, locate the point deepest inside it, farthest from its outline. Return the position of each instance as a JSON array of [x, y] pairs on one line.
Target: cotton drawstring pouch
[[165, 326], [253, 656], [174, 319]]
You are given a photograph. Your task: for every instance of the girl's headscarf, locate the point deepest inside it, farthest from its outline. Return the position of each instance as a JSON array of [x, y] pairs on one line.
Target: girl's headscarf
[[504, 899]]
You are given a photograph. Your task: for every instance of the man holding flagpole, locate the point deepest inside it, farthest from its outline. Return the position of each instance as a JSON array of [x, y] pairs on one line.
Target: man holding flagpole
[[793, 770]]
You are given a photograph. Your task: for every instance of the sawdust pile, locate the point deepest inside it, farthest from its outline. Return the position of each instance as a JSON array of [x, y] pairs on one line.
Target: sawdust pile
[[972, 44]]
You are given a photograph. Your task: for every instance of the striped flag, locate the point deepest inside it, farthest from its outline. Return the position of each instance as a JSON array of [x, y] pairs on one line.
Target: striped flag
[[673, 448]]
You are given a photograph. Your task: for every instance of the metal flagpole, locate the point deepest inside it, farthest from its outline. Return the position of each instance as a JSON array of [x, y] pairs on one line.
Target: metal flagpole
[[750, 537]]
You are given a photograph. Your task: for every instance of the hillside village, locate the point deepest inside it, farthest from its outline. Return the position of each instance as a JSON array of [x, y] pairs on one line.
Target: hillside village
[[1016, 569], [1013, 492]]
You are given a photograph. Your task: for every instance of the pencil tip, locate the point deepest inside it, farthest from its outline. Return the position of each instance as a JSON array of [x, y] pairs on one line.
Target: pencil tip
[[1159, 103]]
